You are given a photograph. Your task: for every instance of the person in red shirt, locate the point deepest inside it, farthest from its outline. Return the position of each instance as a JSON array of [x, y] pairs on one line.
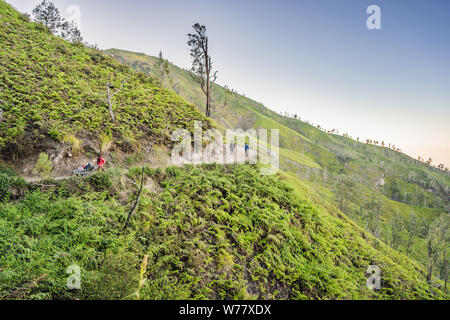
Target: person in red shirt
[[100, 162]]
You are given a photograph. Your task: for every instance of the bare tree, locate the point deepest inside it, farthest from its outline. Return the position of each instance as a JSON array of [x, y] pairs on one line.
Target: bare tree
[[444, 269], [110, 97], [201, 62], [138, 196]]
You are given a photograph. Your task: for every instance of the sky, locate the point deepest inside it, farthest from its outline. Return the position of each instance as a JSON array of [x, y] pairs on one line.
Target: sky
[[314, 58]]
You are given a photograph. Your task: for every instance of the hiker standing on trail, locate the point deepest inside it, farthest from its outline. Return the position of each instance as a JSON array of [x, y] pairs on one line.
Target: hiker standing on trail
[[232, 146], [246, 147], [100, 162]]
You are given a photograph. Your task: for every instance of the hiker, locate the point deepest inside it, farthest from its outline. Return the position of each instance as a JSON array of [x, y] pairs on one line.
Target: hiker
[[232, 146], [246, 147], [84, 170], [88, 167], [100, 162]]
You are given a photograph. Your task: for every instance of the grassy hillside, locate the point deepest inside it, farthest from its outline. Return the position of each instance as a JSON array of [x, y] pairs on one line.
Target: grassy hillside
[[333, 152], [52, 89], [317, 157], [216, 232], [209, 232]]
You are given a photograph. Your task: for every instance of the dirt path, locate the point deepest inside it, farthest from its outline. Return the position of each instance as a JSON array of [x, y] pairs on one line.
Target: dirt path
[[39, 179], [239, 153]]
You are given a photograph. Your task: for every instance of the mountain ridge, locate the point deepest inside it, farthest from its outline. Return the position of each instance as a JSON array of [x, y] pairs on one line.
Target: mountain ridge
[[404, 184]]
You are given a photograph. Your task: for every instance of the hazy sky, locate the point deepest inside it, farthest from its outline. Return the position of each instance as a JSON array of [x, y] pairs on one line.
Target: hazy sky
[[315, 58]]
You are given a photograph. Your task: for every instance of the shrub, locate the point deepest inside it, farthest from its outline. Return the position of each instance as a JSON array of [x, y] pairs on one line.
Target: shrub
[[106, 141], [74, 143], [118, 277], [25, 17], [5, 183], [43, 166], [100, 181]]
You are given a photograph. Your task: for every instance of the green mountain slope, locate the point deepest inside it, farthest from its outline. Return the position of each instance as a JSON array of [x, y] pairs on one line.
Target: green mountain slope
[[210, 232], [216, 232], [330, 151], [50, 88], [318, 157]]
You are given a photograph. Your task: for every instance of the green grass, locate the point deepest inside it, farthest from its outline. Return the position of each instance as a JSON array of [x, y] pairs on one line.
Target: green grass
[[311, 154], [209, 232], [213, 232], [52, 89]]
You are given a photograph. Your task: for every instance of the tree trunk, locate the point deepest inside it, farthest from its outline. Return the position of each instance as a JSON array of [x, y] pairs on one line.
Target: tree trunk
[[138, 197], [430, 262], [111, 112], [445, 285], [444, 263], [430, 271], [208, 84]]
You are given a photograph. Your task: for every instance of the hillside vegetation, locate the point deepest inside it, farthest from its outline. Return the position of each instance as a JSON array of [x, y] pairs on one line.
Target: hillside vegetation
[[199, 232], [210, 232], [407, 187], [53, 89]]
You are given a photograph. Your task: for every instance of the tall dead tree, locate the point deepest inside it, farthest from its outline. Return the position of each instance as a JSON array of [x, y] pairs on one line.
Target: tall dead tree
[[445, 269], [110, 97], [201, 62], [138, 196]]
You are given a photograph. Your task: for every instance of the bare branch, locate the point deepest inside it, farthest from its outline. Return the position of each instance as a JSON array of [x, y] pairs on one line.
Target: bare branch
[[21, 292], [202, 85], [111, 96], [138, 197], [214, 77], [111, 111], [121, 87], [130, 180]]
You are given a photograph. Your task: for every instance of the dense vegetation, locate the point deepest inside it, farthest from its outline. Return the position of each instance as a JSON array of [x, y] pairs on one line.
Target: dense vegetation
[[211, 231], [53, 88], [204, 232], [402, 188]]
